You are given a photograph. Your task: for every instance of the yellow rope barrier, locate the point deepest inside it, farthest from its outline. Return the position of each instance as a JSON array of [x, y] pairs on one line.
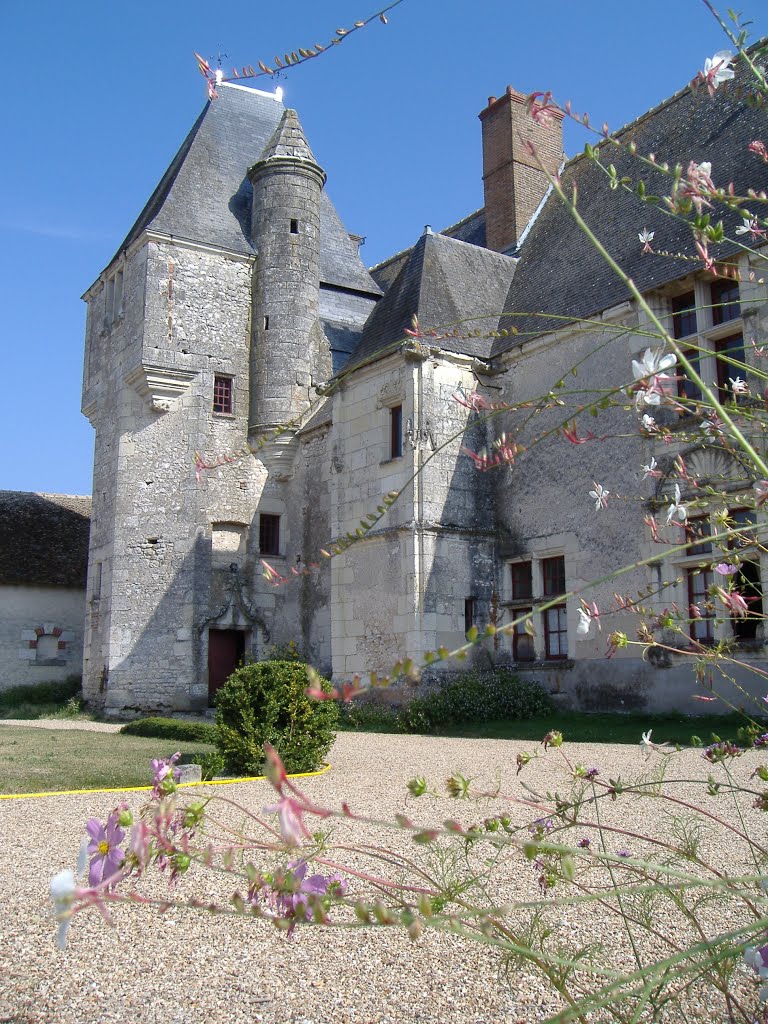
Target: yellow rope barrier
[[140, 789]]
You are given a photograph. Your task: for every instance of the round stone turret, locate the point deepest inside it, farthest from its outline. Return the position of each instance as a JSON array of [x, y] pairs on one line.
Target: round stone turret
[[285, 227]]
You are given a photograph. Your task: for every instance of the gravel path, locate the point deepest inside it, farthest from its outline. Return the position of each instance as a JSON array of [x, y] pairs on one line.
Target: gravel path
[[190, 968], [64, 723]]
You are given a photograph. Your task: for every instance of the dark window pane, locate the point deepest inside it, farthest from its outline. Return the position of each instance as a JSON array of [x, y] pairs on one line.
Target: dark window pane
[[727, 349], [522, 643], [522, 581], [747, 582], [725, 301], [556, 632], [684, 315], [222, 394], [396, 431], [470, 613], [269, 534], [702, 621], [553, 574], [685, 387], [696, 530]]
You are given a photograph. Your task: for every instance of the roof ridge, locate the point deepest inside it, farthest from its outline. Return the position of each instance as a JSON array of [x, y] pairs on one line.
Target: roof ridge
[[652, 111]]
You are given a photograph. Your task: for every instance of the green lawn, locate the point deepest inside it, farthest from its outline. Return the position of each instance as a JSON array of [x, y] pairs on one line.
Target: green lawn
[[596, 728], [46, 760]]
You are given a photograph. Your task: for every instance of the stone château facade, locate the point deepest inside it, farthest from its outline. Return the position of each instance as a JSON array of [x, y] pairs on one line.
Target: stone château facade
[[238, 303]]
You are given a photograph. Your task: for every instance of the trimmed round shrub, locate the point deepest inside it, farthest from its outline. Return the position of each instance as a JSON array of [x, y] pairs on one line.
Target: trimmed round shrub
[[476, 697], [266, 702], [171, 729]]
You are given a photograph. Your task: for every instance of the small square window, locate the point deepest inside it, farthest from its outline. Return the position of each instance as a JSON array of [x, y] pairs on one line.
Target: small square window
[[222, 395], [395, 431], [269, 534]]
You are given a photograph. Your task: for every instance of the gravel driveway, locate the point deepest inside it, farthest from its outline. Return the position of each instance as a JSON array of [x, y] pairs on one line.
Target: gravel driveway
[[190, 968]]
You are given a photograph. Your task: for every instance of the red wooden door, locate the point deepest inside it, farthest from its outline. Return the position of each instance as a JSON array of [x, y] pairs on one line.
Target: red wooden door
[[226, 648]]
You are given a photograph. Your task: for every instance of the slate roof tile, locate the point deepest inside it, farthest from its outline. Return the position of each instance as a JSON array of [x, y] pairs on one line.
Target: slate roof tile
[[44, 539], [443, 281], [561, 273], [205, 195]]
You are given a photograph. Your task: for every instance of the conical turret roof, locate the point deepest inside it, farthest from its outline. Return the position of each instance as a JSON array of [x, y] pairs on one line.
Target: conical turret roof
[[287, 145]]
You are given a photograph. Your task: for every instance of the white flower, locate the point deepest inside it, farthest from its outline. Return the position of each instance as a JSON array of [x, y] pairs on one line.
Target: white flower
[[655, 361], [650, 469], [646, 744], [649, 423], [600, 495], [585, 622], [718, 69], [676, 509], [645, 235], [739, 386], [63, 890]]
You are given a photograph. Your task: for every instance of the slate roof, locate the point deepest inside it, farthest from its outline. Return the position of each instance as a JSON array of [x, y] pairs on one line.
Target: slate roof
[[44, 539], [342, 341], [561, 273], [471, 229], [205, 195], [442, 281]]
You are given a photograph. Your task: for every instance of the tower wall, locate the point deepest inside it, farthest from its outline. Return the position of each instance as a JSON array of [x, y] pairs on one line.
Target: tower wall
[[286, 285]]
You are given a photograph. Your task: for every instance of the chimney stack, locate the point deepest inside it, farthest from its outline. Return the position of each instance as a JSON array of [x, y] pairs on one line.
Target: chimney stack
[[513, 182]]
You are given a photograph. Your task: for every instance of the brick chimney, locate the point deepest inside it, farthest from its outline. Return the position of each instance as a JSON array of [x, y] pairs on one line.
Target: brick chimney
[[513, 182]]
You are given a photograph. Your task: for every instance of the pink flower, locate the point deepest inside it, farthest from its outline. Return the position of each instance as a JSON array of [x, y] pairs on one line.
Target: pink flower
[[759, 148], [542, 108], [474, 400], [106, 856], [571, 433], [733, 601], [724, 569], [289, 814], [697, 185], [588, 613], [165, 776]]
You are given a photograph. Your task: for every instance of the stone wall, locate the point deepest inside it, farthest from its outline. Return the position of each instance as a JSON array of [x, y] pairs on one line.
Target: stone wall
[[41, 634]]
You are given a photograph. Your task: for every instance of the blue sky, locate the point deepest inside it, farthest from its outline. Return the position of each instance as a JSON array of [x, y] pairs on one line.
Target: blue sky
[[98, 97]]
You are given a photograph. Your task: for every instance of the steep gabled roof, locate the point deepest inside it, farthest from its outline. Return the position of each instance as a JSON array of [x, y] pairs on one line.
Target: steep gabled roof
[[471, 229], [44, 539], [205, 195], [561, 273], [442, 281]]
